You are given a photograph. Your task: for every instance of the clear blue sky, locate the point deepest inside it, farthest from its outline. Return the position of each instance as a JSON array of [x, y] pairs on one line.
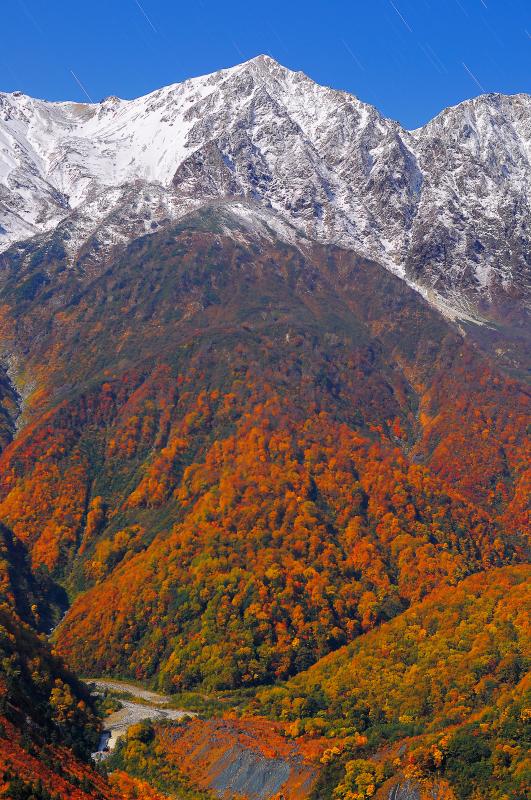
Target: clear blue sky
[[410, 58]]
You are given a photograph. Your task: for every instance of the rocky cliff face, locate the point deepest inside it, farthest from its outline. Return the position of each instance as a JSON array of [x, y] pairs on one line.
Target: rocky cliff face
[[247, 758], [406, 789], [446, 206]]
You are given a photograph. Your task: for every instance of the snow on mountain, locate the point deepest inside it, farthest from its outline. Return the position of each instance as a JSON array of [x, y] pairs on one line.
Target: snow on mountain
[[446, 206]]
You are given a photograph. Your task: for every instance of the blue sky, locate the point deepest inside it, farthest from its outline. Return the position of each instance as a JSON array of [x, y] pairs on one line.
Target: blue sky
[[410, 58]]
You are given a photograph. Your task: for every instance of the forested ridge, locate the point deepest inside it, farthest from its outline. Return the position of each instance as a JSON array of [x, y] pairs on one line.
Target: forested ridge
[[450, 676], [48, 726]]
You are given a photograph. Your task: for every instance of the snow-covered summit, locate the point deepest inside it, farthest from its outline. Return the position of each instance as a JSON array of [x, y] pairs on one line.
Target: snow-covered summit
[[447, 205]]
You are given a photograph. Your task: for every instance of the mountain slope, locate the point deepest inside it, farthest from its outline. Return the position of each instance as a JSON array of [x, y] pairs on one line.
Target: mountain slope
[[452, 689], [218, 411], [446, 206], [47, 723]]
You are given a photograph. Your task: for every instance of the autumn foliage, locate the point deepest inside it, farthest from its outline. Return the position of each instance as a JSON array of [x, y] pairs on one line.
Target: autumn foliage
[[238, 457], [449, 678], [294, 539]]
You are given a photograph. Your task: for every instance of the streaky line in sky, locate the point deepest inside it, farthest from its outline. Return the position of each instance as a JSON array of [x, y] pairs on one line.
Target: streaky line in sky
[[81, 85], [401, 17], [474, 78], [146, 16]]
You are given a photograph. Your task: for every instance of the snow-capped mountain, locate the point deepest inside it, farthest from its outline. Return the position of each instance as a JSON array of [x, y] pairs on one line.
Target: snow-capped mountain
[[446, 206]]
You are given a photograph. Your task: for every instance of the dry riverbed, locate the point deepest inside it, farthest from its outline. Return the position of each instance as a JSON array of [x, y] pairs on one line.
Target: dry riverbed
[[228, 757], [146, 705]]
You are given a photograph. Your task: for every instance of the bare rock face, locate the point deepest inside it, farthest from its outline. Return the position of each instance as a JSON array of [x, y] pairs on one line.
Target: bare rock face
[[447, 207], [409, 790], [404, 791], [473, 224], [240, 758]]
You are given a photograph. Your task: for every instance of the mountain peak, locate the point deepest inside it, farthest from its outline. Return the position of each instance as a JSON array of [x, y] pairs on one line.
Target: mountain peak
[[264, 60], [325, 162], [265, 66]]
